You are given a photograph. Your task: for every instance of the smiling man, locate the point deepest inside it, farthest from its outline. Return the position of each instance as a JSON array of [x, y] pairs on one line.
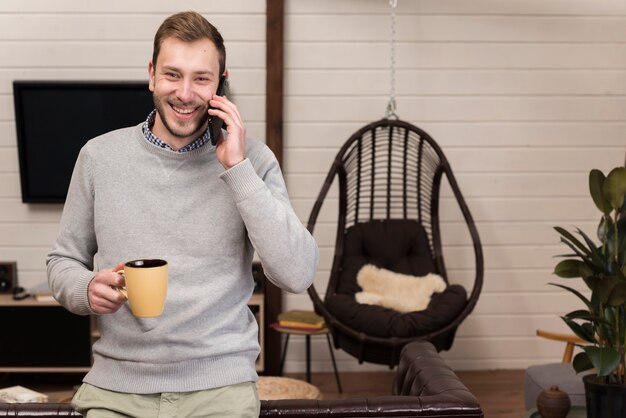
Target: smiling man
[[165, 189]]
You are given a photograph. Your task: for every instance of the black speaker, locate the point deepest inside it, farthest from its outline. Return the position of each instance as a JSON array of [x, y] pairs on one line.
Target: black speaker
[[8, 276]]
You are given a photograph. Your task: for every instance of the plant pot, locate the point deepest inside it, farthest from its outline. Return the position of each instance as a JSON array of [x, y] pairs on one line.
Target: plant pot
[[604, 400]]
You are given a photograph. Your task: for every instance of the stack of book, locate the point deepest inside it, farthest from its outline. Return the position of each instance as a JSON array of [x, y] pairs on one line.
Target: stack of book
[[301, 320]]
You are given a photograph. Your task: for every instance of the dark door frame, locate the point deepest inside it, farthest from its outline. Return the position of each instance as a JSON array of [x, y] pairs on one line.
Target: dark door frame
[[274, 138]]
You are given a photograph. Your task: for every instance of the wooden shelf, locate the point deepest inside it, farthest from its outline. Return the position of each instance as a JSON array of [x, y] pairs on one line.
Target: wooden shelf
[[7, 300]]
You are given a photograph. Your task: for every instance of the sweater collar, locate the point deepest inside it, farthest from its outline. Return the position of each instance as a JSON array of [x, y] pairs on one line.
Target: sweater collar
[[152, 138]]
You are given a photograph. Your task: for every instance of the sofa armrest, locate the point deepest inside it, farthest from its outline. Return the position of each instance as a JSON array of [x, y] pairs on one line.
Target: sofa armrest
[[423, 372], [424, 386]]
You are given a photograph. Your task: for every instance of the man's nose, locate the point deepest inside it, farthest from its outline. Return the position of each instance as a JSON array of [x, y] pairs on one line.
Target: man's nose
[[185, 91]]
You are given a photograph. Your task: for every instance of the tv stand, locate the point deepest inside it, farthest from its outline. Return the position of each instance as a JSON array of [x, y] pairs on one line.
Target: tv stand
[[43, 337]]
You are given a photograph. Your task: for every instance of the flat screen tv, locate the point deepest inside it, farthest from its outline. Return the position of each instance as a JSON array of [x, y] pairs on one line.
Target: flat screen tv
[[54, 119]]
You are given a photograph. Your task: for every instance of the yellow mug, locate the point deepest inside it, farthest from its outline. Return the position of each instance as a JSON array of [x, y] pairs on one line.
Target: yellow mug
[[146, 286]]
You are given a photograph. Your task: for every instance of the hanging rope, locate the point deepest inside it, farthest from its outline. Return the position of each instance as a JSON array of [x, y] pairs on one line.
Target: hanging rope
[[391, 105]]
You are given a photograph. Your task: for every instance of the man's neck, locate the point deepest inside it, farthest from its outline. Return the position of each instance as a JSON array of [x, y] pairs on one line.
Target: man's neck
[[173, 141]]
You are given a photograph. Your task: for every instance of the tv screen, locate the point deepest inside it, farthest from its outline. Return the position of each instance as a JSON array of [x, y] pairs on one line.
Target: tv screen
[[55, 119]]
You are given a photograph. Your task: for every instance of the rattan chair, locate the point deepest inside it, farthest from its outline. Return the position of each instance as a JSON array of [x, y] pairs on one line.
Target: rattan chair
[[389, 174]]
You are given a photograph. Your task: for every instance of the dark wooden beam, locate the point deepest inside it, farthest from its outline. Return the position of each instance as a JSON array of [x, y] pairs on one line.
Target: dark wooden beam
[[274, 138], [274, 77]]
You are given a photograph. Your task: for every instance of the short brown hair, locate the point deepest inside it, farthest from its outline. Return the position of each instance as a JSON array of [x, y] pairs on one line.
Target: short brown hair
[[189, 27]]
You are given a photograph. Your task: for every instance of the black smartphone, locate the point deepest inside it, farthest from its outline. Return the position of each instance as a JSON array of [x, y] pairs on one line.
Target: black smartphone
[[215, 123]]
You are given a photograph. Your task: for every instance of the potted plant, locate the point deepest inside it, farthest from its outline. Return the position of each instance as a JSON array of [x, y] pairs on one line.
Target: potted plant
[[602, 321]]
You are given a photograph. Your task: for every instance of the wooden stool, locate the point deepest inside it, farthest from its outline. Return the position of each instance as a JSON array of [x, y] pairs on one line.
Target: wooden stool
[[307, 334]]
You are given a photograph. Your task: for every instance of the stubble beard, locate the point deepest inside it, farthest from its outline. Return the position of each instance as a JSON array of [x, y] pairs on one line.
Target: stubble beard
[[179, 130]]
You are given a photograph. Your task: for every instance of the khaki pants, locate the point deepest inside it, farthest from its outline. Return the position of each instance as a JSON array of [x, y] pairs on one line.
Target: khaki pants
[[237, 401]]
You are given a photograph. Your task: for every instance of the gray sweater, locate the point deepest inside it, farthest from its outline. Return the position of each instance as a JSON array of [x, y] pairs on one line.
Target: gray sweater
[[130, 199]]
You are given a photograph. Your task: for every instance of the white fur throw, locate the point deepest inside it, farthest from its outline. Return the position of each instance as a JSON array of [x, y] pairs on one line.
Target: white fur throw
[[397, 291]]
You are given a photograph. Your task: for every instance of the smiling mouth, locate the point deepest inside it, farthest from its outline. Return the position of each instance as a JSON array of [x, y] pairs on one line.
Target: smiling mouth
[[182, 111]]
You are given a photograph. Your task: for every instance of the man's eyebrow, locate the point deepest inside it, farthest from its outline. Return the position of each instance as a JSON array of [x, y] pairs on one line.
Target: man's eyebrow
[[169, 68], [206, 72], [172, 68]]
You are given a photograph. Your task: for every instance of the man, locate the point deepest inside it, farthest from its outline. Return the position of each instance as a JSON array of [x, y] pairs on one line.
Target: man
[[162, 190]]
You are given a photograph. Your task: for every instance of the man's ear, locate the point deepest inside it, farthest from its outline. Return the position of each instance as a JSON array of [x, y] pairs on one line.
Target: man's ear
[[151, 76]]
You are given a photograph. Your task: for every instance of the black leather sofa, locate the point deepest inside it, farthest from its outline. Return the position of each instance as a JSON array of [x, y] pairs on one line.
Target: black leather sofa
[[424, 386]]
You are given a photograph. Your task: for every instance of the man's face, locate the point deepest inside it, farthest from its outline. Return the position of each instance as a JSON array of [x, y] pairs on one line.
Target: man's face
[[184, 79]]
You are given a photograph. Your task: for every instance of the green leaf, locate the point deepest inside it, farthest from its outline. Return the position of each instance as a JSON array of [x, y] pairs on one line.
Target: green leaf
[[584, 254], [589, 332], [581, 331], [607, 328], [577, 293], [614, 187], [604, 359], [576, 252], [589, 276], [596, 181], [596, 253], [569, 238], [569, 268], [579, 314], [586, 316], [606, 224], [621, 237], [582, 362], [605, 288], [618, 295]]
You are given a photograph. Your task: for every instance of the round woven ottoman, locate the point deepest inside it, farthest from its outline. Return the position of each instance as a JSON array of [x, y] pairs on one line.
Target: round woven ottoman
[[272, 388]]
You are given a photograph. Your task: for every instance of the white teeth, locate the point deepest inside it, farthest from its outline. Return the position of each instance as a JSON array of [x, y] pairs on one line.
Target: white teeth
[[183, 111]]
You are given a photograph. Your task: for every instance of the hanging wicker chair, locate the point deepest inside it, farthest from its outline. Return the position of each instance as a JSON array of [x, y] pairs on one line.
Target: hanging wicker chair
[[389, 176]]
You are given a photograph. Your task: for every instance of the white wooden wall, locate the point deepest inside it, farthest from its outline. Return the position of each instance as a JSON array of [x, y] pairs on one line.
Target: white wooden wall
[[524, 96]]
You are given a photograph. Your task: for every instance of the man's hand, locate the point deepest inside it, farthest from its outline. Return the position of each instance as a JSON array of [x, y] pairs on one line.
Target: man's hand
[[103, 298], [231, 151]]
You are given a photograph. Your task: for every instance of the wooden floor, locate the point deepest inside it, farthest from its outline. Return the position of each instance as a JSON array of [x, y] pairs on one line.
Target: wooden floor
[[500, 392]]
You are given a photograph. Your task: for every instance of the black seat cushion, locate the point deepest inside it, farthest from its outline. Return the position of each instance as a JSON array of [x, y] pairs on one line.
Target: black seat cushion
[[377, 321], [401, 246], [397, 244]]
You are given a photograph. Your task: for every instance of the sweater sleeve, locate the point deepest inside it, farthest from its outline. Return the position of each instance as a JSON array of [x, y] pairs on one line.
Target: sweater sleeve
[[70, 262], [287, 250]]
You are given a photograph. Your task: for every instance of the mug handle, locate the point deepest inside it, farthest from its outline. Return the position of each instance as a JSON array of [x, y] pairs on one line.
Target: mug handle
[[122, 290]]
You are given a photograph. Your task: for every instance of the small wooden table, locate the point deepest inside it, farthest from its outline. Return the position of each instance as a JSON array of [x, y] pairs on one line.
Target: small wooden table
[[307, 334]]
